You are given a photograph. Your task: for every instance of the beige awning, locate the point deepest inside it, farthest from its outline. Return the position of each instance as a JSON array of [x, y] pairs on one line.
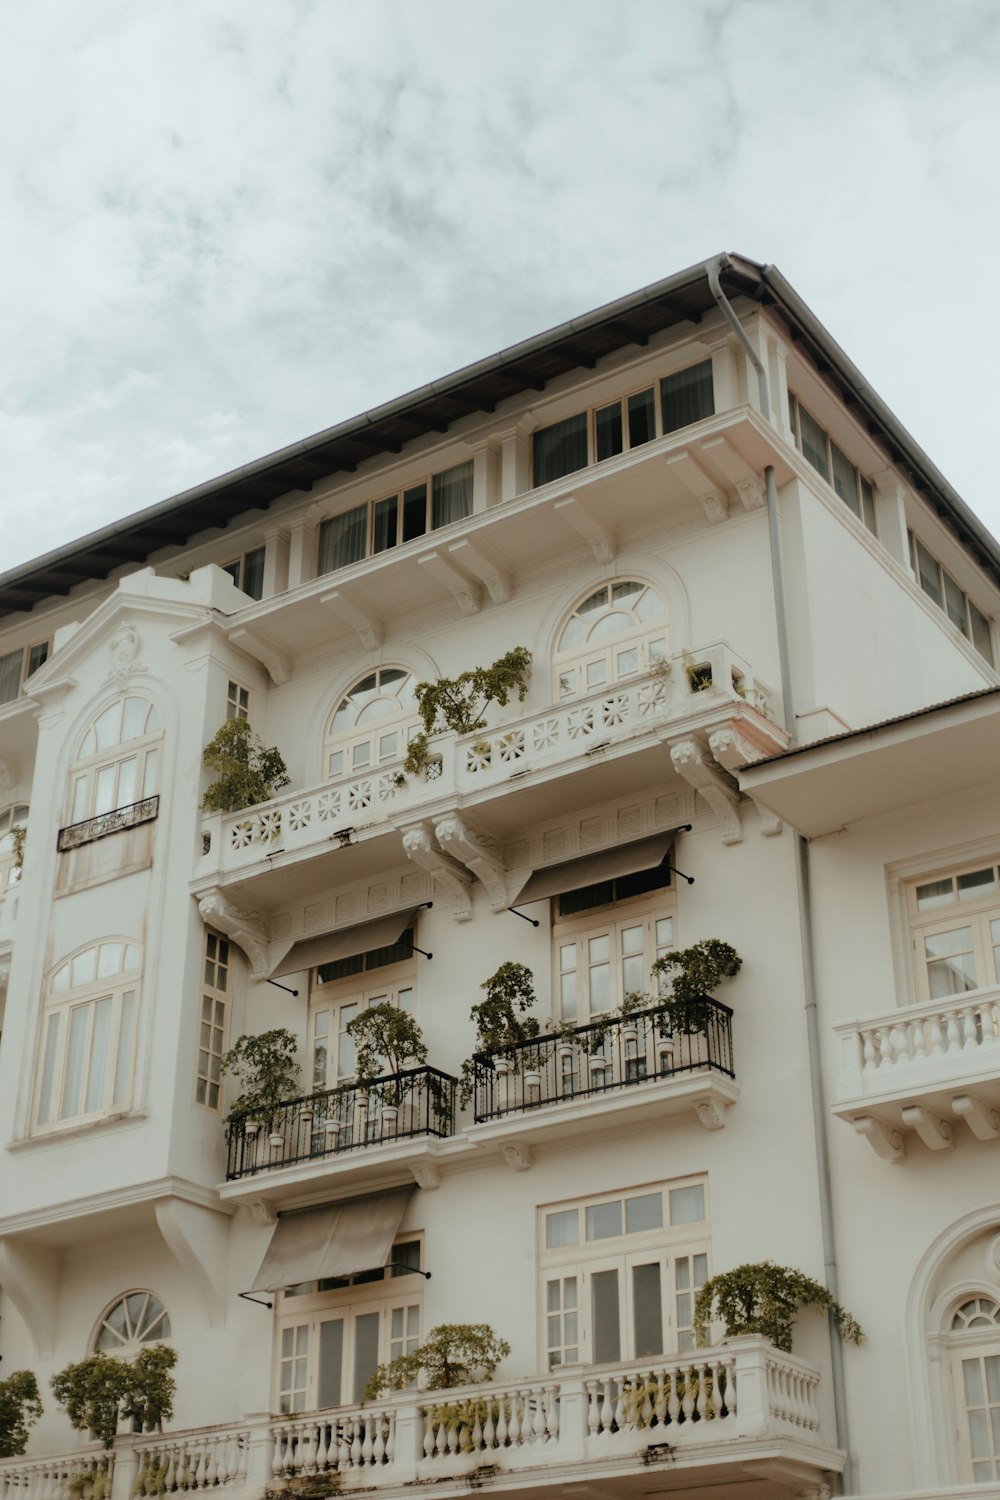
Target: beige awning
[[338, 1239], [607, 864], [345, 942]]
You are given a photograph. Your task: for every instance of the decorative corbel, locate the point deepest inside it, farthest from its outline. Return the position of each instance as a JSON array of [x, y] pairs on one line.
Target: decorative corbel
[[518, 1158], [478, 853], [198, 1239], [426, 1174], [278, 666], [698, 484], [721, 455], [935, 1133], [419, 845], [366, 626], [883, 1139], [481, 560], [583, 521], [751, 493], [262, 1212], [29, 1274], [465, 594], [246, 928], [711, 1116], [733, 751], [982, 1120], [689, 762]]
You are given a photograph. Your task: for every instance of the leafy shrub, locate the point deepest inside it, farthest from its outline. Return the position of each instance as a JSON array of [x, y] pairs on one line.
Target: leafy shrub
[[761, 1297], [249, 771], [454, 1354]]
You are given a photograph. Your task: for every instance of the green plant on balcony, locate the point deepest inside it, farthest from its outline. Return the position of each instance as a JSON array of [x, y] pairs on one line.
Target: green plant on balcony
[[99, 1392], [459, 703], [266, 1069], [763, 1298], [687, 977], [18, 834], [249, 771], [453, 1354], [387, 1041], [89, 1484], [20, 1408], [503, 1023]]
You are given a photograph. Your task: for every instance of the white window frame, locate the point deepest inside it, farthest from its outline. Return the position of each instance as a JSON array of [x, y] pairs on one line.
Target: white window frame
[[237, 700], [398, 498], [343, 748], [975, 914], [88, 778], [972, 1343], [236, 567], [96, 1021], [309, 1309], [579, 932], [151, 1326], [213, 1020], [952, 600], [647, 641], [26, 670], [665, 1245], [863, 509], [395, 984]]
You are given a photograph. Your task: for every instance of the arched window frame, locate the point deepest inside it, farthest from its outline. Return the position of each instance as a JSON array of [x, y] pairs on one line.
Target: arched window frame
[[86, 1061], [15, 816], [117, 759], [972, 1339], [367, 744], [589, 655], [143, 1317]]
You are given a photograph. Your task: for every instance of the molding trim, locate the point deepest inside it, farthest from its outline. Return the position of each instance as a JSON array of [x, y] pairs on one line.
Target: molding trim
[[246, 928]]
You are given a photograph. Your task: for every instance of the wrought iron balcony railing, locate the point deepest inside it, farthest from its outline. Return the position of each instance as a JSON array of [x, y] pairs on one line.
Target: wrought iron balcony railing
[[605, 1055], [108, 822], [415, 1102]]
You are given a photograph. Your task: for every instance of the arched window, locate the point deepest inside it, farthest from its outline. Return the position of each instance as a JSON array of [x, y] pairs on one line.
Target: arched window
[[10, 818], [617, 632], [975, 1336], [372, 723], [89, 1026], [136, 1318], [116, 764]]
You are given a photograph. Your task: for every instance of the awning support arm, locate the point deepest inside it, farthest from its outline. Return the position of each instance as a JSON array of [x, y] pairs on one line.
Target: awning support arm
[[287, 991], [248, 1297], [689, 878], [514, 911]]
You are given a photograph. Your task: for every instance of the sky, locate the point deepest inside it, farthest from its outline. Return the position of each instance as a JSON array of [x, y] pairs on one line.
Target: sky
[[229, 224]]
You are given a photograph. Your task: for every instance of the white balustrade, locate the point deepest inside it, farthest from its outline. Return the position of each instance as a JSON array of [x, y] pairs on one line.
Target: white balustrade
[[197, 1460], [880, 1050], [676, 687], [492, 1420], [663, 1397], [75, 1476], [791, 1393], [349, 1443]]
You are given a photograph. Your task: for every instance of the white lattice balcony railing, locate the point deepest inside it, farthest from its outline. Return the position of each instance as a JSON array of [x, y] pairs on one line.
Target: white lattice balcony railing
[[678, 688], [923, 1068]]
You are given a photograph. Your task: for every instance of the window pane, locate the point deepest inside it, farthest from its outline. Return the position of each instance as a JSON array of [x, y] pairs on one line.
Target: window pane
[[562, 1228], [331, 1361], [604, 1220], [73, 1083], [126, 783], [608, 430], [641, 418], [365, 1351], [104, 790], [37, 655], [951, 965], [814, 443], [687, 1204], [414, 512], [384, 534], [48, 1070], [928, 573], [647, 1310], [253, 573], [10, 675], [976, 883], [123, 1062], [935, 893], [108, 727], [867, 504], [644, 1212], [560, 449], [100, 1033], [687, 396], [981, 633], [605, 1317], [845, 479], [84, 967], [342, 539], [954, 604], [451, 495]]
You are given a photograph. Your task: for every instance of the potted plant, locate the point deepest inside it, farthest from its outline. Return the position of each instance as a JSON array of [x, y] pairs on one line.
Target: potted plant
[[387, 1041], [503, 1025], [266, 1068], [453, 1354], [688, 977], [763, 1298], [459, 703], [20, 1408], [99, 1392], [249, 771]]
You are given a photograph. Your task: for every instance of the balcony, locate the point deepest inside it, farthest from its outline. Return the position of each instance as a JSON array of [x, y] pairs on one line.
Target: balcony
[[923, 1069], [99, 827], [744, 1414], [535, 767]]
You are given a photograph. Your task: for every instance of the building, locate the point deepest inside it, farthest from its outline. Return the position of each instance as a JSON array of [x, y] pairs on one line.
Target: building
[[763, 631]]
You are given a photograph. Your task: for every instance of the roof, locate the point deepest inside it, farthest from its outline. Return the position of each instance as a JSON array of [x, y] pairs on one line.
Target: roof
[[527, 366]]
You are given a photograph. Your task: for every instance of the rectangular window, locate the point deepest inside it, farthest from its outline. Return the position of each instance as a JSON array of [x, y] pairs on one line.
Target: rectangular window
[[237, 701], [819, 450], [247, 572], [687, 397], [17, 666], [212, 1022], [87, 1058], [597, 962], [560, 449], [617, 1280], [946, 594], [955, 932], [377, 525]]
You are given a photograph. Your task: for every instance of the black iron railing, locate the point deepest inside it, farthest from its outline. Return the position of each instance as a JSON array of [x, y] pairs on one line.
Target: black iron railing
[[606, 1055], [417, 1101], [108, 822]]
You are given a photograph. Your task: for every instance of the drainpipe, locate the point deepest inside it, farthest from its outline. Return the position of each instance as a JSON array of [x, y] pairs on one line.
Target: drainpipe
[[849, 1479]]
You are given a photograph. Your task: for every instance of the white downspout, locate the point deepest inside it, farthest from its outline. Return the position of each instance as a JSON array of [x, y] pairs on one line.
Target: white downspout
[[849, 1478]]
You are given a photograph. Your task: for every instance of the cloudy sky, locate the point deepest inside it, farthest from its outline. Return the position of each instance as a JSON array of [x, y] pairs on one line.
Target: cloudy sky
[[231, 223]]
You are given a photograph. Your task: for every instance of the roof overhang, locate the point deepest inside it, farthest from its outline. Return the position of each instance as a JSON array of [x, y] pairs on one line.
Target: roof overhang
[[872, 772]]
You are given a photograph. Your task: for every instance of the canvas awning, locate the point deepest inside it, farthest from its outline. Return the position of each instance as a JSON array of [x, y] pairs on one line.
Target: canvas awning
[[606, 864], [338, 1239], [344, 942]]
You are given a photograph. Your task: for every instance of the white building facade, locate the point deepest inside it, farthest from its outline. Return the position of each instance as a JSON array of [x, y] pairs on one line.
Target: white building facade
[[728, 561]]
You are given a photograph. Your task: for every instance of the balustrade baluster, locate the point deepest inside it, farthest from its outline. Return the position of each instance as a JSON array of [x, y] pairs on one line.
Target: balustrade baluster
[[503, 1429], [200, 1471], [919, 1047], [952, 1032], [343, 1447], [428, 1435], [936, 1035], [280, 1439], [322, 1448], [701, 1402], [169, 1470], [441, 1443], [514, 1421], [869, 1052], [687, 1400], [355, 1442], [673, 1398], [212, 1467], [970, 1029], [378, 1446], [489, 1426]]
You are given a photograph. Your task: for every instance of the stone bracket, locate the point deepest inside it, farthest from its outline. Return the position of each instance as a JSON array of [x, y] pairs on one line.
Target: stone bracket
[[883, 1139], [278, 665], [463, 591], [198, 1239], [426, 1174], [518, 1158], [262, 1212], [29, 1274], [479, 854], [935, 1133], [982, 1120], [420, 846], [711, 1115], [246, 928], [583, 521], [689, 761], [480, 560], [697, 483], [366, 626], [720, 453], [734, 751]]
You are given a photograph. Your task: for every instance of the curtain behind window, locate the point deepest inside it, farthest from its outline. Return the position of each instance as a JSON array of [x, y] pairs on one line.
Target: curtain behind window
[[451, 495], [560, 449], [10, 675], [342, 539], [687, 396]]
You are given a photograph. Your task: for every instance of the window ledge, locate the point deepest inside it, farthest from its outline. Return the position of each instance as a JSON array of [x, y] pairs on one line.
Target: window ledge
[[72, 1129]]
